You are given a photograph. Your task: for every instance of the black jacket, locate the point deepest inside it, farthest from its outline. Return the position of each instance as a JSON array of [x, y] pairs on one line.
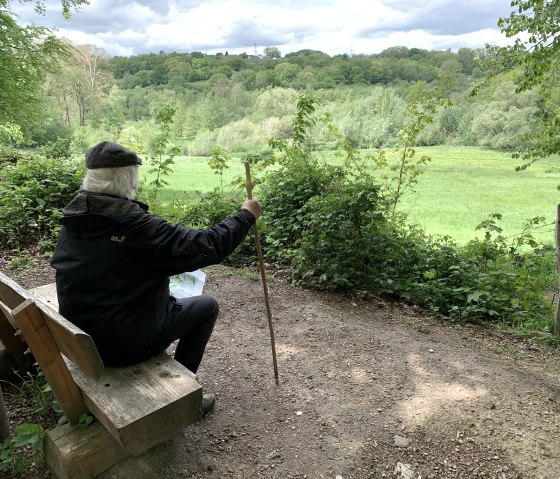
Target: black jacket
[[113, 261]]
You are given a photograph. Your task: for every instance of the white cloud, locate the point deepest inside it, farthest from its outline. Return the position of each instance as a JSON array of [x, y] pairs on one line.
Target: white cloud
[[333, 26]]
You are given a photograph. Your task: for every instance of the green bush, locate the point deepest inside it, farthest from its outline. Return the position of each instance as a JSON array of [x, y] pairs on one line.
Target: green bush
[[58, 149], [284, 194], [340, 230], [504, 282], [51, 132], [32, 195], [10, 155], [212, 208]]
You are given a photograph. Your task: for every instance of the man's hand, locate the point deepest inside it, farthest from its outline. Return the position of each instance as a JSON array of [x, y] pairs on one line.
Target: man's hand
[[253, 207]]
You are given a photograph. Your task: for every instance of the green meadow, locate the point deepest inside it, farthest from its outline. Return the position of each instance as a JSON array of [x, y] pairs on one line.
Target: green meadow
[[460, 188]]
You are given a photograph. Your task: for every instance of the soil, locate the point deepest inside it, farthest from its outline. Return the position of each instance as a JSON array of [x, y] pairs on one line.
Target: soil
[[367, 389]]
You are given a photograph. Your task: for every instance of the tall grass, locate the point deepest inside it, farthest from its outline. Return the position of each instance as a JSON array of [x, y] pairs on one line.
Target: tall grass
[[461, 186]]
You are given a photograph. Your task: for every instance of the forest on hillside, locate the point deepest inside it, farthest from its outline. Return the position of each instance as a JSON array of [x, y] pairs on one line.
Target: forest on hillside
[[238, 102]]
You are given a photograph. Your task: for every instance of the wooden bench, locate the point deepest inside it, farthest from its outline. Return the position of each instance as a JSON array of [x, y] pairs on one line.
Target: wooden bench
[[138, 407]]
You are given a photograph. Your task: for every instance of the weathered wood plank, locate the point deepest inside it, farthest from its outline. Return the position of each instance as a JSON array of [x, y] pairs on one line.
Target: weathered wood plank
[[15, 346], [11, 293], [47, 294], [46, 352], [79, 452], [143, 405], [73, 342]]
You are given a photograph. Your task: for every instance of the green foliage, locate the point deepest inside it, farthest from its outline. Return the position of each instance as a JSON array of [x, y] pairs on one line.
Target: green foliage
[[85, 419], [50, 132], [506, 121], [163, 154], [20, 260], [272, 53], [338, 244], [10, 134], [58, 149], [403, 174], [32, 195], [494, 280], [33, 52], [337, 228], [12, 454], [535, 24], [212, 208], [219, 162], [538, 52], [284, 194], [36, 396], [35, 393]]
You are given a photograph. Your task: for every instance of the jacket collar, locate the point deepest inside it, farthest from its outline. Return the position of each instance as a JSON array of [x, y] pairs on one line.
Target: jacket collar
[[88, 202]]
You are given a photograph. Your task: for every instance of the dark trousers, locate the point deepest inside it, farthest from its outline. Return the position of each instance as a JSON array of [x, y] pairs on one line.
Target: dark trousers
[[190, 320]]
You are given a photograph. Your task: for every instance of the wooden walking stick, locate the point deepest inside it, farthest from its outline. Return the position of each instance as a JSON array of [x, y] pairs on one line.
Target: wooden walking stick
[[249, 188]]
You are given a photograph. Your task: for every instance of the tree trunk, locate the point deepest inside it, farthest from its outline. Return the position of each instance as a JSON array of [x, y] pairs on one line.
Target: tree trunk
[[557, 231]]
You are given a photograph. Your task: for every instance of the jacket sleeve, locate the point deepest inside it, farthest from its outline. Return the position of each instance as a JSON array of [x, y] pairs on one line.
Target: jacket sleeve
[[172, 249]]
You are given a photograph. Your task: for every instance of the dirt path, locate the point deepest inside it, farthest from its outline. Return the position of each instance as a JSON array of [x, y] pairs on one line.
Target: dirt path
[[353, 376], [367, 390]]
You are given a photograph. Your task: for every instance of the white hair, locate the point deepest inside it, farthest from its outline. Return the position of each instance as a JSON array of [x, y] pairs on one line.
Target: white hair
[[121, 181]]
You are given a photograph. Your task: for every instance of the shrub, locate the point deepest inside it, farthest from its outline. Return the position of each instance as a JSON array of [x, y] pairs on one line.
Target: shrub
[[284, 195], [58, 149], [340, 230], [51, 132], [212, 208], [32, 194]]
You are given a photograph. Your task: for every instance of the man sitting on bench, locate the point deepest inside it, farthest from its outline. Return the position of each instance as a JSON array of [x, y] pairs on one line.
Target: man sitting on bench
[[113, 261]]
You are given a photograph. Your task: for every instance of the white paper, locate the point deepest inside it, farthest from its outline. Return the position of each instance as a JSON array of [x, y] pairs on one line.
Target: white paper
[[188, 284]]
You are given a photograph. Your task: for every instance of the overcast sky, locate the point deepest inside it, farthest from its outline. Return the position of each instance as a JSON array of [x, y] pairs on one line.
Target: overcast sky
[[332, 26]]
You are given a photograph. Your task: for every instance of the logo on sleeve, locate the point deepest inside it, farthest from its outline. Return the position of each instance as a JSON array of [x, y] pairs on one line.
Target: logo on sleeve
[[118, 239]]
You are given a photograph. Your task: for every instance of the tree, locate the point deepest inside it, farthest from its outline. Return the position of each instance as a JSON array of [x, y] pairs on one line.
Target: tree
[[536, 52], [82, 85], [272, 53], [26, 55]]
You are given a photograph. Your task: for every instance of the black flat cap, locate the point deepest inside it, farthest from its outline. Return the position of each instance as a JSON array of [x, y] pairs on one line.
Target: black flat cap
[[110, 155]]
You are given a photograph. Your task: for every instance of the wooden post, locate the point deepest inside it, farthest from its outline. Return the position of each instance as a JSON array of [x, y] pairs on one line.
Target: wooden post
[[4, 428], [557, 231], [40, 340]]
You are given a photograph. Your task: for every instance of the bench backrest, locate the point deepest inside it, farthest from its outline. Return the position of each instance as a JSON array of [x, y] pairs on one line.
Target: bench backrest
[[74, 343]]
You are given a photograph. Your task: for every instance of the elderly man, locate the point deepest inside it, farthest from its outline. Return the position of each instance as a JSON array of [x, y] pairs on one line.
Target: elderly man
[[113, 261]]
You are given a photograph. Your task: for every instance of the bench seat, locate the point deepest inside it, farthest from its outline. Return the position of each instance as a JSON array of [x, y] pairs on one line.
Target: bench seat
[[142, 405]]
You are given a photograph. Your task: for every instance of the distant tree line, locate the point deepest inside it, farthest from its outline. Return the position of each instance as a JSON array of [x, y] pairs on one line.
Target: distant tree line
[[305, 69], [238, 102]]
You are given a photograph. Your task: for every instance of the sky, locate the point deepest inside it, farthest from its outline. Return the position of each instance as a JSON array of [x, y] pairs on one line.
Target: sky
[[125, 28]]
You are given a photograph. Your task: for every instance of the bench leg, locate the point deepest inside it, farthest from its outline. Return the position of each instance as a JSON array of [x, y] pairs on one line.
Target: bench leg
[[79, 452]]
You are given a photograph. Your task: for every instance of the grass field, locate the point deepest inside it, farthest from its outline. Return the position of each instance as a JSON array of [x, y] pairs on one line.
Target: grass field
[[461, 186]]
